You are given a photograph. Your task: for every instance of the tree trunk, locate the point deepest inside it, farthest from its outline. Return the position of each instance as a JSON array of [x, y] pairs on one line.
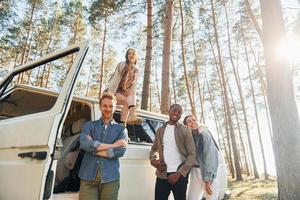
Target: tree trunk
[[28, 33], [202, 119], [102, 56], [255, 106], [157, 87], [28, 51], [173, 77], [264, 92], [253, 19], [235, 110], [236, 154], [53, 28], [40, 78], [165, 80], [20, 77], [147, 71], [231, 168], [239, 129], [237, 77], [74, 37], [241, 98], [15, 60], [48, 76], [186, 77], [283, 109], [150, 98], [217, 121]]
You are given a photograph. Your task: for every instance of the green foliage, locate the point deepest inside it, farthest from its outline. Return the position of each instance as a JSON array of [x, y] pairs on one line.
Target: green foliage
[[102, 8], [74, 23], [6, 13]]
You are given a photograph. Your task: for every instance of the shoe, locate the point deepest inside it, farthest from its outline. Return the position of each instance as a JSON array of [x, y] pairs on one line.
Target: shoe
[[133, 119]]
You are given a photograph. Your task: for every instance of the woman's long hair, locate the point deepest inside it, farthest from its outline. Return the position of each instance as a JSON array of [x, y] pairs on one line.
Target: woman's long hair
[[126, 56]]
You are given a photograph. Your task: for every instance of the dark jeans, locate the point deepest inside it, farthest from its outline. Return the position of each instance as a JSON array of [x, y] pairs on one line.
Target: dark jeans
[[163, 189]]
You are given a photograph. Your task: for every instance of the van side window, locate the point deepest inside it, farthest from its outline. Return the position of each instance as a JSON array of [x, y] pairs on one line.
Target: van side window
[[137, 133], [149, 129], [155, 124], [144, 133]]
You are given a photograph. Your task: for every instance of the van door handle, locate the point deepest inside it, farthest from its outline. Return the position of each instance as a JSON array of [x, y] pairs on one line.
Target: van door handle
[[39, 155]]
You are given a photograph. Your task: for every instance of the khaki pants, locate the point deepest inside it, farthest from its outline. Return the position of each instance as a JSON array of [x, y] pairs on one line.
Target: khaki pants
[[95, 190]]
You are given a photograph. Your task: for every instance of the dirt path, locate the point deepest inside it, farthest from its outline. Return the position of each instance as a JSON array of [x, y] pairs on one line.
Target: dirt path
[[251, 189]]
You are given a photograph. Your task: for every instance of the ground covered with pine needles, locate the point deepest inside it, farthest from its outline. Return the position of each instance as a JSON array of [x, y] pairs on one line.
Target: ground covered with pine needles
[[250, 189]]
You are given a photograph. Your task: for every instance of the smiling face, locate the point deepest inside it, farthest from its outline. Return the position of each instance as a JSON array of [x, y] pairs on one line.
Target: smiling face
[[175, 113], [107, 108], [131, 56], [191, 122]]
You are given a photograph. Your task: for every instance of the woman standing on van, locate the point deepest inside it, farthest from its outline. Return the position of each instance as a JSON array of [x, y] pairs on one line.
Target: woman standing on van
[[123, 83], [203, 174]]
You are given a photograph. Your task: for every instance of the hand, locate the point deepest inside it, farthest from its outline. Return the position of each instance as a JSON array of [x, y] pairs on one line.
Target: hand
[[161, 166], [208, 188], [89, 137], [173, 178], [102, 154], [120, 143], [126, 93]]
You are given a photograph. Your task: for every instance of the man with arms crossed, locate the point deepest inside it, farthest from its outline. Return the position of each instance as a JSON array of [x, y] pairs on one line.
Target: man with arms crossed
[[173, 155], [104, 142]]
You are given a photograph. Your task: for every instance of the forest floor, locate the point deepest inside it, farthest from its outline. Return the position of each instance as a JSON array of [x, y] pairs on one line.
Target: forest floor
[[250, 189]]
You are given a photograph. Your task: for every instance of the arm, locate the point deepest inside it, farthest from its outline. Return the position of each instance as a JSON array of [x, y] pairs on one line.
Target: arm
[[210, 157], [85, 142], [115, 78], [185, 168], [116, 144], [159, 165], [103, 146], [112, 153], [153, 151], [118, 148]]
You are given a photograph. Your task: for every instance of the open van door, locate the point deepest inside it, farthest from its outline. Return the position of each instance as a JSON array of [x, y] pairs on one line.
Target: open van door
[[28, 139]]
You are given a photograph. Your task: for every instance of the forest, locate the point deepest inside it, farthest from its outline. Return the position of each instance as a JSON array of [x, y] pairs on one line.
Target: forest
[[233, 64]]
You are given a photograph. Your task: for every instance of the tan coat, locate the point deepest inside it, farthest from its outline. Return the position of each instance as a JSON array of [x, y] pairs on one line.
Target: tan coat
[[117, 77], [185, 144]]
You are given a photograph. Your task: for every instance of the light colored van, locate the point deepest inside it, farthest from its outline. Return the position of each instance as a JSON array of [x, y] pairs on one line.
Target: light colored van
[[40, 122]]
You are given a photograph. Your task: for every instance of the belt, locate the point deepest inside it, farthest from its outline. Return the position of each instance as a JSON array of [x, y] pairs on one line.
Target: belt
[[196, 166]]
